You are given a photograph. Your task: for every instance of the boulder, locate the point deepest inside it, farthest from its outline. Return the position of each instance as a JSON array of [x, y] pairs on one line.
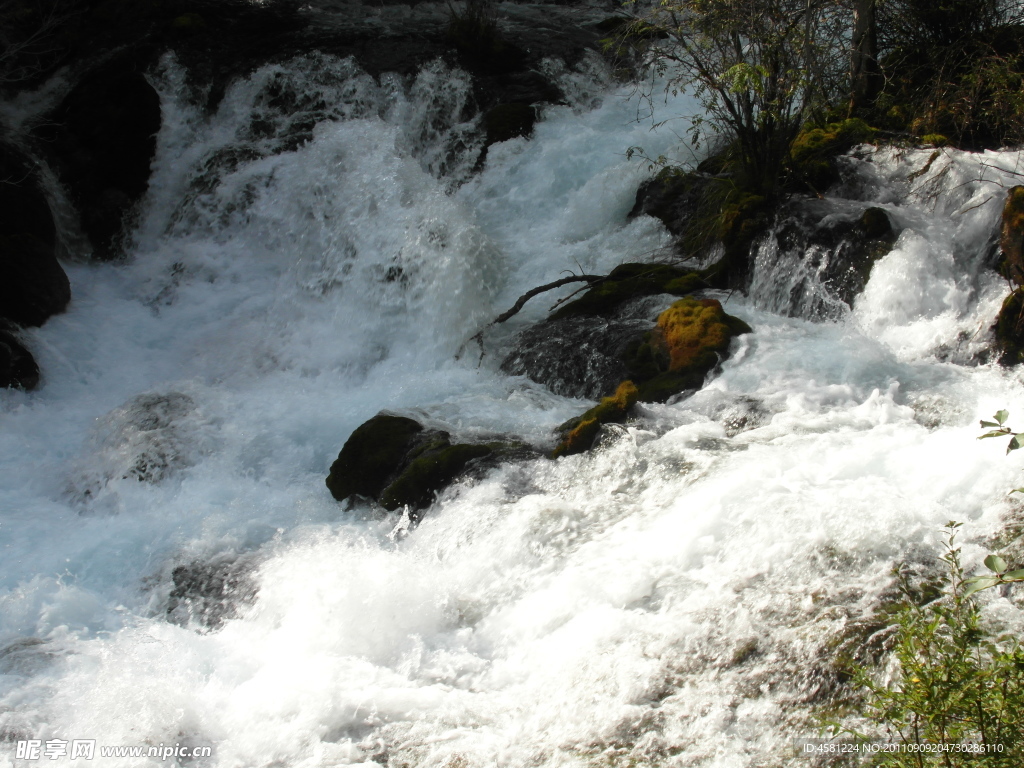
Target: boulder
[[584, 355], [17, 366], [104, 137], [836, 251], [689, 340], [578, 434], [33, 286], [397, 463], [1011, 240]]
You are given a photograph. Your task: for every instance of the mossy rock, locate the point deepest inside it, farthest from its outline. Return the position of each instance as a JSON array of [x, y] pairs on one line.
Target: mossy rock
[[687, 343], [689, 340], [508, 121], [430, 471], [1011, 240], [1009, 329], [813, 151], [578, 434], [631, 281], [372, 455]]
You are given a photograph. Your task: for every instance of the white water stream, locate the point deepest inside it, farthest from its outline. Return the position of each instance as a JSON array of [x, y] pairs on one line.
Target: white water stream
[[670, 599]]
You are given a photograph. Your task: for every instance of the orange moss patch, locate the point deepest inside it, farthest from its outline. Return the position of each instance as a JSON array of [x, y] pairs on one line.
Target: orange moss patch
[[690, 330], [581, 432]]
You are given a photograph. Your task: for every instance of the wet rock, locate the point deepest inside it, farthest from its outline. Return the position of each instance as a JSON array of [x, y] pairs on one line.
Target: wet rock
[[584, 355], [673, 197], [835, 253], [149, 439], [17, 366], [396, 462], [372, 454], [508, 121], [690, 339], [1011, 241], [209, 593], [814, 151], [104, 137], [1009, 324], [33, 285], [1009, 329], [579, 434]]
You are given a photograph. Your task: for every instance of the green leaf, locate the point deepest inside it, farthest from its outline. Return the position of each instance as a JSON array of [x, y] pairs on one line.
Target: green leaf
[[1014, 444], [995, 563], [1017, 490], [1002, 416], [1017, 575], [980, 583], [1000, 433], [983, 422]]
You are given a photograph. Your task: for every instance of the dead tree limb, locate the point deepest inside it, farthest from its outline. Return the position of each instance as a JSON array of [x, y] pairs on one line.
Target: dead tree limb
[[541, 289]]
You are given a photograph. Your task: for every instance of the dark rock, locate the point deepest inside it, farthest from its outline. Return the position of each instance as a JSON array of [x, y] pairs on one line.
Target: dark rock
[[104, 136], [1011, 241], [372, 455], [209, 593], [398, 463], [33, 286], [813, 152], [673, 197], [579, 434], [583, 355], [836, 254], [690, 340], [429, 470], [508, 121], [17, 366], [576, 356], [1009, 329]]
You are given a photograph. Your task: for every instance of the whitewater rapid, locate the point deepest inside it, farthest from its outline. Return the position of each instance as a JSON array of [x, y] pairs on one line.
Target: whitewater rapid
[[672, 598]]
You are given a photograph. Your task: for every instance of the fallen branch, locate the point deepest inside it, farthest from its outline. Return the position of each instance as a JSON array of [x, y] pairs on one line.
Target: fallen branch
[[541, 289]]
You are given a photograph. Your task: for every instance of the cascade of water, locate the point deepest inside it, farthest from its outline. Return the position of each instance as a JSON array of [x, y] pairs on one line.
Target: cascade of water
[[174, 571]]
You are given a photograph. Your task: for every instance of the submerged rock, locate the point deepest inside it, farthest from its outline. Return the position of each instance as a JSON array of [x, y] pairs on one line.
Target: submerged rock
[[209, 593]]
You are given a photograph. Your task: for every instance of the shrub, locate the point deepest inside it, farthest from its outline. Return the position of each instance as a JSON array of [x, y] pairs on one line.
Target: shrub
[[957, 684]]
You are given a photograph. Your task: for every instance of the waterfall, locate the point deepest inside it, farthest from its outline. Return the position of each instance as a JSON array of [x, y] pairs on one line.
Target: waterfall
[[320, 248]]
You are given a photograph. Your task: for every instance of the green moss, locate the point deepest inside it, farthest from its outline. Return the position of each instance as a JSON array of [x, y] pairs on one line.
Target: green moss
[[189, 22], [373, 452], [935, 139], [579, 433], [812, 151], [433, 468], [630, 281]]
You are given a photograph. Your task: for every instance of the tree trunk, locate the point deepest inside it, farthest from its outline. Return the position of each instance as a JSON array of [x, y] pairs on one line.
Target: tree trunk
[[865, 73]]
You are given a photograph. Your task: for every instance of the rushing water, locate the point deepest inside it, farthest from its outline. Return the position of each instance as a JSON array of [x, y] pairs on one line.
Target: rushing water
[[674, 597]]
